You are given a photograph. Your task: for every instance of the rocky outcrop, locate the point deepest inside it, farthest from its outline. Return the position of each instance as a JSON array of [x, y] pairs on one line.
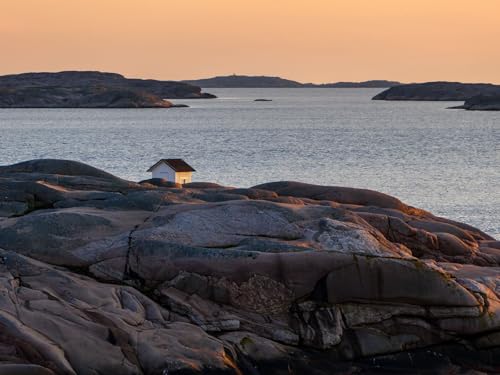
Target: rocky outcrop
[[482, 103], [162, 89], [78, 97], [438, 91], [103, 275], [90, 90]]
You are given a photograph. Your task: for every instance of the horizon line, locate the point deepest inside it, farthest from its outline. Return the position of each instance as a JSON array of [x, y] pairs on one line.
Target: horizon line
[[131, 76]]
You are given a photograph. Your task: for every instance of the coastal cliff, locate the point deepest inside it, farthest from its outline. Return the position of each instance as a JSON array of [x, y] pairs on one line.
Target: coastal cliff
[[102, 275], [75, 89]]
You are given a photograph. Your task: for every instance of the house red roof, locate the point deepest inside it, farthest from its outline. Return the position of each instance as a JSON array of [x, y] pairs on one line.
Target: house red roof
[[177, 165]]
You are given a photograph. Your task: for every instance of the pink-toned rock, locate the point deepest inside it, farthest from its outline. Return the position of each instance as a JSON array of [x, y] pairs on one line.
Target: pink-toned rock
[[101, 275]]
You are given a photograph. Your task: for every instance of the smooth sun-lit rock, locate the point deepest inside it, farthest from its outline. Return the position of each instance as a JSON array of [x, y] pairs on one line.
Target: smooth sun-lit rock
[[101, 275]]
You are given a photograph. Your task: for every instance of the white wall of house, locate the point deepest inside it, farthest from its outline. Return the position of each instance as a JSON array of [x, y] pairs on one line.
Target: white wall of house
[[164, 171], [183, 177]]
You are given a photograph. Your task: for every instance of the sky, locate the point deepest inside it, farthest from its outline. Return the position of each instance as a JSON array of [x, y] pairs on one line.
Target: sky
[[306, 40]]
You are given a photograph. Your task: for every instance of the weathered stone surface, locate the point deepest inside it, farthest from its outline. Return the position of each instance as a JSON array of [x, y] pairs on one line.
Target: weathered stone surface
[[24, 369], [161, 182], [101, 275], [334, 193], [351, 238], [202, 185], [202, 312], [220, 224], [256, 193], [318, 326], [72, 237], [72, 324], [219, 197]]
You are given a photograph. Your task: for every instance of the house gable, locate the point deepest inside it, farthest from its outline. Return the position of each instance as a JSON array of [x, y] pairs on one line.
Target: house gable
[[174, 170], [178, 165]]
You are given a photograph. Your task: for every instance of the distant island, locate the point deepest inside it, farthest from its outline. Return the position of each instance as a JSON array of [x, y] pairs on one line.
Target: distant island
[[88, 89], [481, 103], [242, 81], [92, 89], [438, 91]]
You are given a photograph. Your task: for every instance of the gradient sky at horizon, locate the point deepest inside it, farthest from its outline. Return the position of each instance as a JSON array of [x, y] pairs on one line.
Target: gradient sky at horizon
[[309, 41]]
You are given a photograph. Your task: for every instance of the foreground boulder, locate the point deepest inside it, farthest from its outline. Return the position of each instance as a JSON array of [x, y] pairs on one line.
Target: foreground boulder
[[103, 275]]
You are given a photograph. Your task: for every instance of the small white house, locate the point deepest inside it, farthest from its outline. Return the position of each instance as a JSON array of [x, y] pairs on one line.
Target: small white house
[[173, 170]]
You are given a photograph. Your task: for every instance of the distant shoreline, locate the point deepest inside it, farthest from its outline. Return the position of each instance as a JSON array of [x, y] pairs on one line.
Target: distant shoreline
[[89, 89], [241, 81]]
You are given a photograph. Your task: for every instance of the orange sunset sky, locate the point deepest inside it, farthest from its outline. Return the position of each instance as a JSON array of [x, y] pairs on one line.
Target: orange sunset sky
[[309, 41]]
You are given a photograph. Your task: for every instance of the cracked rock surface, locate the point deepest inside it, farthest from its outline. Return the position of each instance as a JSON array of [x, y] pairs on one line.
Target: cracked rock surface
[[99, 275]]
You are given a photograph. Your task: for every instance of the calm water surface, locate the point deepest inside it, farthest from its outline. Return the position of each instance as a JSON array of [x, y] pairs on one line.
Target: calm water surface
[[445, 161]]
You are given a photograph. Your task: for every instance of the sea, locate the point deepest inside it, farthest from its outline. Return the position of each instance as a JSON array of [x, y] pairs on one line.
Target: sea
[[443, 160]]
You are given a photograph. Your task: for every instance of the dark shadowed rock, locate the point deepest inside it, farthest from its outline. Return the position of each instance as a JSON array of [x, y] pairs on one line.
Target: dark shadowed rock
[[375, 83], [244, 81], [56, 167], [202, 185], [161, 182], [255, 193], [482, 103], [240, 81], [78, 97], [24, 369], [437, 91], [90, 90], [83, 79], [219, 196]]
